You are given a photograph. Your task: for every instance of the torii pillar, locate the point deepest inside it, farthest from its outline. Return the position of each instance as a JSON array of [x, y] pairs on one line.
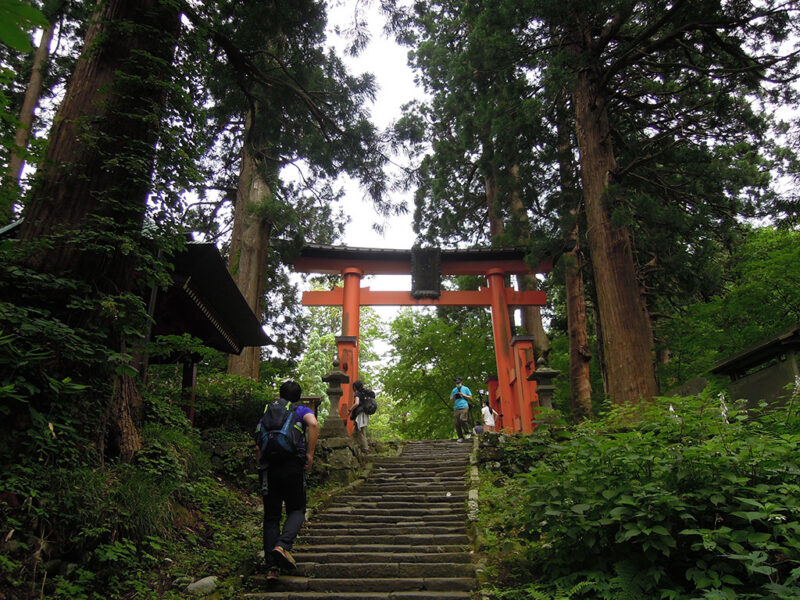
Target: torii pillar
[[517, 395], [347, 343]]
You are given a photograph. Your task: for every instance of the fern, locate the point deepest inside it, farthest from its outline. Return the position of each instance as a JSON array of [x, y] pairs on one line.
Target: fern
[[626, 583], [578, 588], [532, 591]]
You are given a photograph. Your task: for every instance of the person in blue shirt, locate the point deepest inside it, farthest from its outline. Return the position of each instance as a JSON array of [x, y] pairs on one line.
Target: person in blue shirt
[[284, 482], [461, 397]]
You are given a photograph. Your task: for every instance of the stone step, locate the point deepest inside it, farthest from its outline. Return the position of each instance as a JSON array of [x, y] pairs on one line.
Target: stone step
[[440, 457], [421, 480], [370, 488], [391, 475], [436, 457], [410, 539], [417, 472], [359, 512], [390, 529], [412, 462], [401, 500], [451, 445], [375, 570], [328, 522], [393, 515], [422, 485], [419, 468], [295, 583], [418, 495], [400, 535], [402, 595], [322, 554], [377, 549], [419, 462], [388, 521]]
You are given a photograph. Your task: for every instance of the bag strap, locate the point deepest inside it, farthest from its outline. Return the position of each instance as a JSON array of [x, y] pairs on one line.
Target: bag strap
[[287, 424]]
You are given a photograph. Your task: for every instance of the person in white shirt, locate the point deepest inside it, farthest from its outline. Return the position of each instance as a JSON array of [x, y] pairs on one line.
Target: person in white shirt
[[488, 414]]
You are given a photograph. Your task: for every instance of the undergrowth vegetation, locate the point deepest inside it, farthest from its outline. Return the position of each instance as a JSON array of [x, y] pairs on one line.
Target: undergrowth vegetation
[[184, 508], [680, 499]]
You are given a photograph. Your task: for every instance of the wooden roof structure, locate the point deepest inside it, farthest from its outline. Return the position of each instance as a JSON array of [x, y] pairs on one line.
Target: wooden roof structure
[[740, 363], [205, 302], [332, 260]]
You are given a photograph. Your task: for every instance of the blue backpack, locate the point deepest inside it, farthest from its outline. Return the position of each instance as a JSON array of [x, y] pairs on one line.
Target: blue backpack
[[279, 434]]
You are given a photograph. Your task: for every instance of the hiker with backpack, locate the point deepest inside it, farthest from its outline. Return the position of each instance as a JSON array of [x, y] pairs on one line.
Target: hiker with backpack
[[360, 412], [284, 456]]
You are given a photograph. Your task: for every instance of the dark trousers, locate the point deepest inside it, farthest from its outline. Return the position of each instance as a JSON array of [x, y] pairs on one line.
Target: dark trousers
[[281, 484]]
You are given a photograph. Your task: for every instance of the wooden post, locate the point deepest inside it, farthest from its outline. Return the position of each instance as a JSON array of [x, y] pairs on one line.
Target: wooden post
[[351, 313], [502, 348], [348, 359], [525, 389]]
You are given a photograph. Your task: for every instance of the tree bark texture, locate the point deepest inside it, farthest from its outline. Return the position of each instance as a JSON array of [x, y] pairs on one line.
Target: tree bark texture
[[29, 103], [627, 332], [248, 254], [84, 217], [495, 218], [92, 186], [580, 354], [122, 437], [531, 315], [496, 222]]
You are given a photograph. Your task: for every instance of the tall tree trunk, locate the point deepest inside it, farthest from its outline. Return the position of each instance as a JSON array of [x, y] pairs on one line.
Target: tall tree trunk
[[495, 219], [627, 332], [249, 251], [84, 217], [531, 315], [580, 355], [598, 326], [496, 223], [29, 103]]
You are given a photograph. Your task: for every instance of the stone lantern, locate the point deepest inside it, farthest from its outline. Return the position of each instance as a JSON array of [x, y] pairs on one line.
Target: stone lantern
[[335, 378], [544, 377]]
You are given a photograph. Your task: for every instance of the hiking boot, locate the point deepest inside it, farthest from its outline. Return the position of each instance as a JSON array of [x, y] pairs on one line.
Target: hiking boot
[[460, 440], [284, 557], [272, 574], [467, 437]]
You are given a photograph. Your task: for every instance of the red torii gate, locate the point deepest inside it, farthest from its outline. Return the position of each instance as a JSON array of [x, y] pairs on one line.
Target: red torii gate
[[511, 393]]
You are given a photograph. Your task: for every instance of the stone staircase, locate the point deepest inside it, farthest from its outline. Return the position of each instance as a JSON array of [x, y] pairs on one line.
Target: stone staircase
[[402, 534]]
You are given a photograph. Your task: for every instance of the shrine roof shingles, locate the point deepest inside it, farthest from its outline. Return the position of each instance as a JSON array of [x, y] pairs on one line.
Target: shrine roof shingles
[[324, 258]]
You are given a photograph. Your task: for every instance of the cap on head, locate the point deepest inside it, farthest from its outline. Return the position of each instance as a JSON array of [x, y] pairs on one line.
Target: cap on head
[[458, 379]]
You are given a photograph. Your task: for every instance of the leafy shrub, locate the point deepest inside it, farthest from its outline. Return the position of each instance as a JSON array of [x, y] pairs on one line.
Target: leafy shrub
[[232, 456], [682, 503], [229, 401]]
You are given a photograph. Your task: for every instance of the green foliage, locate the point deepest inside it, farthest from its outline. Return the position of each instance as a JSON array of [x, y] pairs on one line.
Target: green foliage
[[760, 298], [107, 527], [230, 400], [321, 350], [17, 18], [559, 360], [428, 351], [681, 503]]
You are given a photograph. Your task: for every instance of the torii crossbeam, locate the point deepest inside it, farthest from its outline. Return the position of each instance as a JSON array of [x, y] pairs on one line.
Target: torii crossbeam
[[512, 394]]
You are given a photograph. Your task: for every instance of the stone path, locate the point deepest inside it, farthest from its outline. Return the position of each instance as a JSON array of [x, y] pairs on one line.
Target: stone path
[[402, 534]]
